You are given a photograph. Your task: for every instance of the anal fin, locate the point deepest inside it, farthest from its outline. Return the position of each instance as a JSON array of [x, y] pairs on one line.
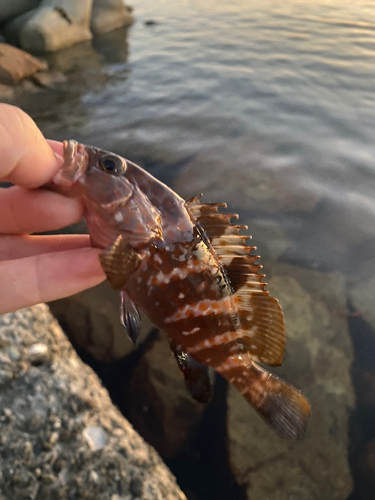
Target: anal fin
[[119, 261]]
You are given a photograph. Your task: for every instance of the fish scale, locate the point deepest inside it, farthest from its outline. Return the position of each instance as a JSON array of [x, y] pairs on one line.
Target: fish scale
[[191, 271]]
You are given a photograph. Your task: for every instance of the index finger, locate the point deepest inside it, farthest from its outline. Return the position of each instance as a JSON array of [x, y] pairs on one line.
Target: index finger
[[26, 158]]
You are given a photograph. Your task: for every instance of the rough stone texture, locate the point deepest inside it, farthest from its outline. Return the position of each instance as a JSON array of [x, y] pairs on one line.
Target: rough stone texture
[[318, 360], [60, 436], [15, 64], [91, 319], [163, 412], [261, 182]]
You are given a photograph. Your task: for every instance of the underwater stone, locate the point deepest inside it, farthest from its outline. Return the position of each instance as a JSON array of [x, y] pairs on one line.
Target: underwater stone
[[318, 360]]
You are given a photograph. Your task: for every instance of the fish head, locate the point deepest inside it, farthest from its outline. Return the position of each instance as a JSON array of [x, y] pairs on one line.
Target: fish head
[[110, 194]]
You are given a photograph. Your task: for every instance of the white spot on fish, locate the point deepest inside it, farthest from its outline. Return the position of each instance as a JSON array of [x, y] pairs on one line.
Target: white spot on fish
[[194, 330], [119, 217], [158, 259], [203, 308], [176, 273], [224, 338], [181, 295]]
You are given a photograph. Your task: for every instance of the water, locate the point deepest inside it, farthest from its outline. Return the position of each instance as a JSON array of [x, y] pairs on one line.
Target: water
[[271, 108]]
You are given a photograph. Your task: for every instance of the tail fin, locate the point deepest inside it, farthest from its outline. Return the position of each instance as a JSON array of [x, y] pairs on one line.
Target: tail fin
[[280, 404]]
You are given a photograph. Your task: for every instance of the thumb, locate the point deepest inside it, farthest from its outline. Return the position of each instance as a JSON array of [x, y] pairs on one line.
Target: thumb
[[26, 159]]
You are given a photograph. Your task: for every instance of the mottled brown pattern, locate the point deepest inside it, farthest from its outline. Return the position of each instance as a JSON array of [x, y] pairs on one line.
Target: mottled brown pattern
[[193, 275]]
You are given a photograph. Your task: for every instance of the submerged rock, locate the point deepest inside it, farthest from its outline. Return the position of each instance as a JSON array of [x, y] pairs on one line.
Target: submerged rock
[[60, 435], [160, 406], [243, 174], [318, 360], [91, 319]]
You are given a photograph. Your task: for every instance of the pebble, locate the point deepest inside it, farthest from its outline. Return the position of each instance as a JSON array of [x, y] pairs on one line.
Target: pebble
[[38, 354], [94, 477], [13, 353], [96, 437]]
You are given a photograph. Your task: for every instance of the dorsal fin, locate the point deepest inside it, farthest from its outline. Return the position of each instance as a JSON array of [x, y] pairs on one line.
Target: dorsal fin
[[260, 315]]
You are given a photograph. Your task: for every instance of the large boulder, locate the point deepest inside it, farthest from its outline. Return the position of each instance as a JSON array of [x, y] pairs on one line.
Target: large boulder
[[60, 435], [50, 25]]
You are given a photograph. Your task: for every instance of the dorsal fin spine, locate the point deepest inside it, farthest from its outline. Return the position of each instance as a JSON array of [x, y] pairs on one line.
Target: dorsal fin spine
[[263, 334]]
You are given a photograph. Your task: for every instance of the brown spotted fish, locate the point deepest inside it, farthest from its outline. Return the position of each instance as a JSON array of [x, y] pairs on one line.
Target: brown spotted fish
[[189, 269]]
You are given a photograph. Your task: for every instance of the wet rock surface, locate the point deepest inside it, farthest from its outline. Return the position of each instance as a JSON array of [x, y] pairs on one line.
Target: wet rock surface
[[60, 435], [318, 360]]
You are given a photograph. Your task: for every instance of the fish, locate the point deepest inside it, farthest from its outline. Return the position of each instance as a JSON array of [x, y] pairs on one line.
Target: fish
[[189, 267]]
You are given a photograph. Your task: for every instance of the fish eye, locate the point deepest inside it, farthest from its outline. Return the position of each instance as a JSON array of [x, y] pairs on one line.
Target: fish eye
[[112, 164]]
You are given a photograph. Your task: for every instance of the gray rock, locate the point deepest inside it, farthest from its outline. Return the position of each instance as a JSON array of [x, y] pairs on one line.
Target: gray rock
[[56, 24], [161, 407], [243, 174], [60, 436], [318, 360], [49, 25], [108, 15]]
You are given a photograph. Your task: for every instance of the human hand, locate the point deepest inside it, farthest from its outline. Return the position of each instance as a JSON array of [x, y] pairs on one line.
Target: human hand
[[34, 268]]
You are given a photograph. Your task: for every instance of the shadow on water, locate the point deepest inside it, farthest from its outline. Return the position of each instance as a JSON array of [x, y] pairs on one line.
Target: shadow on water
[[204, 473], [362, 421]]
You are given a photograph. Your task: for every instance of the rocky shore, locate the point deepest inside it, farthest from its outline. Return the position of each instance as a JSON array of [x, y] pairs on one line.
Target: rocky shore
[[60, 435]]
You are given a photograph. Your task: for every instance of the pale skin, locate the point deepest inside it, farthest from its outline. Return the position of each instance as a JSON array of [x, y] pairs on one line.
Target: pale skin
[[36, 269]]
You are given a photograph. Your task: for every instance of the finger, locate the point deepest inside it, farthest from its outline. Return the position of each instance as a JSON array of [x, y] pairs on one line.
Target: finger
[[25, 211], [26, 158], [46, 277], [56, 146], [18, 247]]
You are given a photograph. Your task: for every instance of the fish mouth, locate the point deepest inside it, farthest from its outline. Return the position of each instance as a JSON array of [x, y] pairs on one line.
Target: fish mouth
[[75, 164]]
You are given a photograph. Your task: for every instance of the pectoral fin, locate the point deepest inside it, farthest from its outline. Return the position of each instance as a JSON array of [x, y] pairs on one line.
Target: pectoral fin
[[196, 375], [119, 261], [129, 317]]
